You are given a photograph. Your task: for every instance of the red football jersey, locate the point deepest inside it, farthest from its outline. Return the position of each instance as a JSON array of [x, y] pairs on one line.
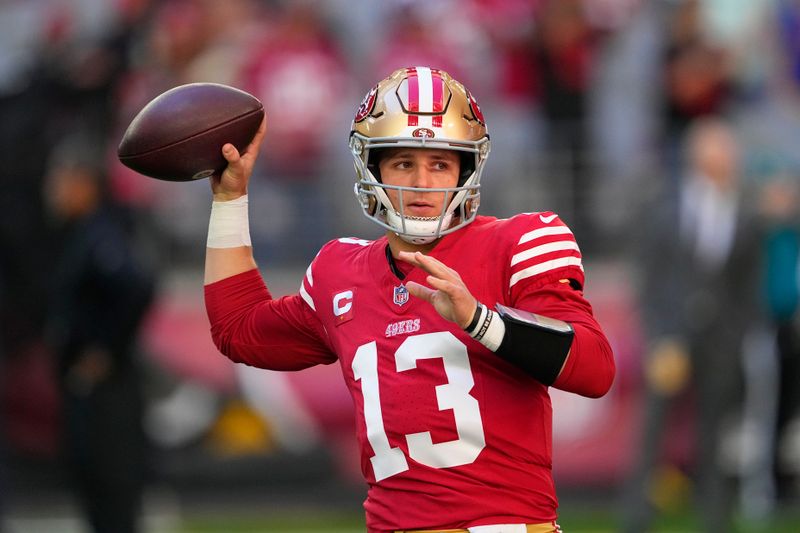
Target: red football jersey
[[451, 435]]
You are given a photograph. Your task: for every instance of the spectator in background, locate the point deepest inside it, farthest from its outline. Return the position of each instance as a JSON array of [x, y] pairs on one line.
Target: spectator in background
[[698, 299], [563, 53], [100, 293], [57, 63], [27, 105], [697, 75], [416, 35], [177, 42], [302, 119], [508, 81], [781, 207], [788, 15], [298, 48], [697, 80], [769, 356]]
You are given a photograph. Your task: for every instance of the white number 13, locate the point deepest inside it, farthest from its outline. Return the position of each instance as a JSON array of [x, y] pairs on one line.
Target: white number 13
[[454, 395]]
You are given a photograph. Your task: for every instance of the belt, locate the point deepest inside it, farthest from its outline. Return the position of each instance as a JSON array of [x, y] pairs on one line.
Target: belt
[[545, 527]]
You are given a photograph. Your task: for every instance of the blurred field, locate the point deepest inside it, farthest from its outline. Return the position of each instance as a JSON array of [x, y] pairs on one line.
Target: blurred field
[[579, 515], [583, 521], [580, 519]]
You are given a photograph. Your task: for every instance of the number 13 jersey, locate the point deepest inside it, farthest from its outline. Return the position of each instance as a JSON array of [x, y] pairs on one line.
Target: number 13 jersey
[[450, 435]]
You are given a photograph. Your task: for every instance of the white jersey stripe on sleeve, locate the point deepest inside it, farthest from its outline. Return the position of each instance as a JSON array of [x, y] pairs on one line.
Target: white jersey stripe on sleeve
[[351, 240], [306, 297], [544, 232], [544, 267], [558, 246], [309, 277]]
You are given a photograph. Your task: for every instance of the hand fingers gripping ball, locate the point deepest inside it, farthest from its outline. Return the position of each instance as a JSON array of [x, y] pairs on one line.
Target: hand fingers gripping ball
[[178, 136]]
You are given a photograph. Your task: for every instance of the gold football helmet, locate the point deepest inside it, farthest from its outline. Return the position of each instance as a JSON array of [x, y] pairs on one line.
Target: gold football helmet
[[419, 107]]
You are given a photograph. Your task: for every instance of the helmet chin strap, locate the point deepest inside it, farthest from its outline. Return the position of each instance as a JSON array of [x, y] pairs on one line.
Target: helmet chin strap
[[417, 231]]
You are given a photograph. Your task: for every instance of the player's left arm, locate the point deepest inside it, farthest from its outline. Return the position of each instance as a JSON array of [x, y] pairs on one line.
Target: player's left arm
[[551, 333], [585, 365]]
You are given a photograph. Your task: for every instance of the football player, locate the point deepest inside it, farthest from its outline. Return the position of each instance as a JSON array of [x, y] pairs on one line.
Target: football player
[[449, 329]]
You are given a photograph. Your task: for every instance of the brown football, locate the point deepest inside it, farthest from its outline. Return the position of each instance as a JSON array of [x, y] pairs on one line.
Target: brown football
[[178, 136]]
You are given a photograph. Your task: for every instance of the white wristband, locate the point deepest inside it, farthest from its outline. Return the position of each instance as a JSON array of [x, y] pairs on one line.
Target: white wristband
[[494, 333], [490, 329], [229, 225]]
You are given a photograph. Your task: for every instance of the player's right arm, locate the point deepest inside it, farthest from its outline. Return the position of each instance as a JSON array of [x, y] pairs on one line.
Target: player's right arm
[[231, 186], [247, 324], [251, 327]]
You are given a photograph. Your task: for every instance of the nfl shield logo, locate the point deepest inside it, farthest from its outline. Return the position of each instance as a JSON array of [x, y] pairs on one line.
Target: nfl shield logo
[[400, 295]]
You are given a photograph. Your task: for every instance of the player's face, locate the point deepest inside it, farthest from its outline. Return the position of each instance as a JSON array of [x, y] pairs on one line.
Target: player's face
[[423, 168]]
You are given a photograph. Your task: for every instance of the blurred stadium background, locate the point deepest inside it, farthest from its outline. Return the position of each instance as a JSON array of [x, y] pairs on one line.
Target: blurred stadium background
[[588, 104]]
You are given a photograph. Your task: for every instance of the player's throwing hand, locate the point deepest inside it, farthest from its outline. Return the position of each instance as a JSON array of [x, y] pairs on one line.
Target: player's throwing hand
[[233, 181], [449, 296]]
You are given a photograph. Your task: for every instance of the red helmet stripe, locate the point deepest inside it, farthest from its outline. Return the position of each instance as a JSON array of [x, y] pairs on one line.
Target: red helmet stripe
[[438, 91], [438, 97], [413, 96], [425, 94]]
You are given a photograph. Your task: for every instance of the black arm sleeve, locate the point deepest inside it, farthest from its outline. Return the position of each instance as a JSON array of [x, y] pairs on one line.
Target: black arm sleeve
[[538, 345]]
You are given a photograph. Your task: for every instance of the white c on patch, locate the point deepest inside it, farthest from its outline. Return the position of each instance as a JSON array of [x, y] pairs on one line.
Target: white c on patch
[[342, 302]]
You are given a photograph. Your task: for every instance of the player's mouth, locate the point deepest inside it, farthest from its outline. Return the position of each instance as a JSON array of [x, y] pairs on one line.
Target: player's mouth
[[422, 209]]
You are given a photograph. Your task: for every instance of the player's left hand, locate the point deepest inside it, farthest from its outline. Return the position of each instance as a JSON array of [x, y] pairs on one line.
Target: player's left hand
[[449, 296]]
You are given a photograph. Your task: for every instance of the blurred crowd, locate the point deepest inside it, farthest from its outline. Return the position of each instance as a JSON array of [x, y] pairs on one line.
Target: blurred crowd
[[664, 132]]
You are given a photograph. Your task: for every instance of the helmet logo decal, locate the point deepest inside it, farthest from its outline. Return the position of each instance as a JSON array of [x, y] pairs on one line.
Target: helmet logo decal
[[367, 104], [424, 94], [423, 132], [476, 110]]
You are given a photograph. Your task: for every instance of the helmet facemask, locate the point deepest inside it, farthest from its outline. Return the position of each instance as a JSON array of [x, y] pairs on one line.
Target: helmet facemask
[[384, 121], [460, 206]]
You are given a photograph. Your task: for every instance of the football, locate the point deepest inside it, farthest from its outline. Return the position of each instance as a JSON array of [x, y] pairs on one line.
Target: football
[[178, 136]]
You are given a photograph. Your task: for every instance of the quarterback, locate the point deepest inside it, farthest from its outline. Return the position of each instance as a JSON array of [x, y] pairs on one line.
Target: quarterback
[[449, 329]]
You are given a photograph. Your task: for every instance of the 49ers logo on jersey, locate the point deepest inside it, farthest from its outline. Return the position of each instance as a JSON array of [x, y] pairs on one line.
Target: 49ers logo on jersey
[[366, 105], [403, 327], [343, 306]]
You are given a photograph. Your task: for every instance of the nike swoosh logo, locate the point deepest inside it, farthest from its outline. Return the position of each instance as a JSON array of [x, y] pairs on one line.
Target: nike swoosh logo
[[547, 219]]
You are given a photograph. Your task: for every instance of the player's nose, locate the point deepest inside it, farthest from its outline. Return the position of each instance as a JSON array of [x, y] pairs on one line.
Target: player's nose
[[422, 178]]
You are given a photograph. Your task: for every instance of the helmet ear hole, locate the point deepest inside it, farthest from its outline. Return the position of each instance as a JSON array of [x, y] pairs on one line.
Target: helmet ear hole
[[467, 167], [374, 163]]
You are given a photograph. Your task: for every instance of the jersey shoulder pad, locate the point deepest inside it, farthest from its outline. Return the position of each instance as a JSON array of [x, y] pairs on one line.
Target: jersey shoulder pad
[[339, 249], [543, 249], [335, 252]]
